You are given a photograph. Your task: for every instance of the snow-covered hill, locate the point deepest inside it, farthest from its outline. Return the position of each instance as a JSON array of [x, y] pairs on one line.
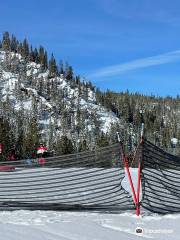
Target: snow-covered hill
[[24, 84]]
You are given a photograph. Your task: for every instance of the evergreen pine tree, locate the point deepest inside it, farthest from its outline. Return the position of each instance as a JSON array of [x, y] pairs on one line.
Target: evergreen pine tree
[[14, 44], [25, 48], [61, 68], [6, 41], [32, 137], [69, 72], [83, 146], [52, 67], [7, 138], [64, 146], [102, 140]]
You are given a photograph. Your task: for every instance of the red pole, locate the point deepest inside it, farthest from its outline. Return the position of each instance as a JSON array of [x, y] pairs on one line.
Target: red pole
[[135, 198], [131, 183], [129, 177]]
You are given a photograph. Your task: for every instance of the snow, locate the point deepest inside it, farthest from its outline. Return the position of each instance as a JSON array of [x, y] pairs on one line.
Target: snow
[[27, 105], [44, 75], [174, 141], [9, 81], [107, 118], [47, 225], [52, 225], [62, 83], [44, 122]]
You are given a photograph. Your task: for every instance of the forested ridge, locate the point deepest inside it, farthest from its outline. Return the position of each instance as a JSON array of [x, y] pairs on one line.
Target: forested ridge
[[161, 115], [43, 101]]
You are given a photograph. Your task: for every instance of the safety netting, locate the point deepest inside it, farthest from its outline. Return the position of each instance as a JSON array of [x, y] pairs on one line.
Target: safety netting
[[160, 178], [89, 180]]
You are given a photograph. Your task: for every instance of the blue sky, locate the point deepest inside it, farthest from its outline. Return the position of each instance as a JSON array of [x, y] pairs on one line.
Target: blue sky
[[117, 44]]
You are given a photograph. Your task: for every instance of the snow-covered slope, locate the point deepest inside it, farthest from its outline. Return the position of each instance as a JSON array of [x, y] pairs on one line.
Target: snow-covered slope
[[22, 86]]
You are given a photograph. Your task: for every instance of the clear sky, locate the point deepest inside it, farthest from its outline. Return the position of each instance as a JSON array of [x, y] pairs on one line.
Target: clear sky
[[117, 44]]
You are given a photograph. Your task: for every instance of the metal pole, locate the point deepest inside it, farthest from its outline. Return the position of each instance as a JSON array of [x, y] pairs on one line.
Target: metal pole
[[138, 188], [142, 125], [139, 169]]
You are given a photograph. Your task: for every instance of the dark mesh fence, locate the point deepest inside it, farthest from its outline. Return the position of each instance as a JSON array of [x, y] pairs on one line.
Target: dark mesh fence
[[89, 180], [160, 180]]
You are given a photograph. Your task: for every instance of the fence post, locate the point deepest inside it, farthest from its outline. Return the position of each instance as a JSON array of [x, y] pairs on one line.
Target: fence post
[[139, 168], [138, 188]]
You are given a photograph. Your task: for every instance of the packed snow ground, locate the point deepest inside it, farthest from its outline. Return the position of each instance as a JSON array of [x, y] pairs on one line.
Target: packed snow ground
[[51, 225], [40, 225]]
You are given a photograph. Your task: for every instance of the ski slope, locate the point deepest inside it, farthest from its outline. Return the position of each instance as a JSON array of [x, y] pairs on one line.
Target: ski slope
[[51, 225]]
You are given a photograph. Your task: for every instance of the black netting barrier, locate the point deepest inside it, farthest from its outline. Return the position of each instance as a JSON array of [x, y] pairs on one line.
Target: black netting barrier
[[83, 181], [160, 178]]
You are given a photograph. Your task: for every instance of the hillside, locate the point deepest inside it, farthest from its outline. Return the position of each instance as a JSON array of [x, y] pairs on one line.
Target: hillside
[[37, 105], [43, 102], [160, 115]]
